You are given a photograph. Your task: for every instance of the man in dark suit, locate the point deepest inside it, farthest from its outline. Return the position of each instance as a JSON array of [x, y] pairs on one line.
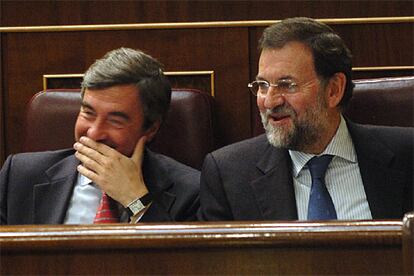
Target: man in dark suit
[[303, 83], [125, 96]]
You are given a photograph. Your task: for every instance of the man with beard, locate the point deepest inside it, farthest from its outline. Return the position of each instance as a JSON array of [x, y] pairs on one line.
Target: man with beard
[[303, 83], [109, 176]]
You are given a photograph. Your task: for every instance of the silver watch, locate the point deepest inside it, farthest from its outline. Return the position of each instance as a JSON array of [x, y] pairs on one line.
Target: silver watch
[[138, 204]]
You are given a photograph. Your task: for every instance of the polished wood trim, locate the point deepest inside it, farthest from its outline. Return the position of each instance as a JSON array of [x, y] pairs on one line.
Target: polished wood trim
[[195, 73], [2, 103], [190, 235], [172, 73], [192, 25], [383, 68], [408, 243], [58, 76]]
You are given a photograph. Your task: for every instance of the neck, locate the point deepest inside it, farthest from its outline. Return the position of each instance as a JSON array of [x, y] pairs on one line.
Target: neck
[[327, 135]]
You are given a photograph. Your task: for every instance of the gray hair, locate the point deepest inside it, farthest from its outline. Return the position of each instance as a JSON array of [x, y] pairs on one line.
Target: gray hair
[[129, 66]]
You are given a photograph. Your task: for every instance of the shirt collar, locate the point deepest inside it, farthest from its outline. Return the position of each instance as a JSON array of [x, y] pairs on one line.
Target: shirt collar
[[83, 180], [341, 146]]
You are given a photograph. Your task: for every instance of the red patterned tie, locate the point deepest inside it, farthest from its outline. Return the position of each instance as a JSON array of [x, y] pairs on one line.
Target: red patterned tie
[[107, 211]]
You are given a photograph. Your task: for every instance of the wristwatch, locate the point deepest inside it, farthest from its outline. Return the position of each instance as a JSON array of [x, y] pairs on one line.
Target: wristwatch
[[138, 204]]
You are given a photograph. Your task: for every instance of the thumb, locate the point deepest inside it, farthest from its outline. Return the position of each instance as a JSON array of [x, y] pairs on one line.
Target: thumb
[[138, 154]]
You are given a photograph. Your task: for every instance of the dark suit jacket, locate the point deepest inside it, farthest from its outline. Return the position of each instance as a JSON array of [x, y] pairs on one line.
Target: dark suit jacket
[[252, 180], [35, 188]]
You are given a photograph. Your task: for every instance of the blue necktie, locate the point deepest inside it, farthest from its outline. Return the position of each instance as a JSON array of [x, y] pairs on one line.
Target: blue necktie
[[320, 206]]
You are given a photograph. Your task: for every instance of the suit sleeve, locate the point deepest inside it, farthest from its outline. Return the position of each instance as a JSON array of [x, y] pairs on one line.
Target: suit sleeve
[[214, 205]]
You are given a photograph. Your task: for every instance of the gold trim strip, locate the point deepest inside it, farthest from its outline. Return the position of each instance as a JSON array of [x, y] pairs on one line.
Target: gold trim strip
[[195, 73], [383, 68], [57, 76], [172, 73], [192, 25]]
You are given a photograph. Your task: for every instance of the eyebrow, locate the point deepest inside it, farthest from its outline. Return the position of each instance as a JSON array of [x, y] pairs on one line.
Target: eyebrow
[[120, 114], [286, 77], [114, 113]]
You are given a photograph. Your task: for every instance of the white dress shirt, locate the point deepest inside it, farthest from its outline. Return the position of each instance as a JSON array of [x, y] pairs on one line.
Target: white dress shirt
[[343, 179], [84, 202]]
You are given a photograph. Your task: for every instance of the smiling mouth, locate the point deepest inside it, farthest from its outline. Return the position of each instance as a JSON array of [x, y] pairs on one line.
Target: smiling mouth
[[278, 117]]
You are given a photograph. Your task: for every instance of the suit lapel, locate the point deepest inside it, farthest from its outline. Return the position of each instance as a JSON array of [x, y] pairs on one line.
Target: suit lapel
[[383, 185], [51, 198], [273, 189], [158, 183]]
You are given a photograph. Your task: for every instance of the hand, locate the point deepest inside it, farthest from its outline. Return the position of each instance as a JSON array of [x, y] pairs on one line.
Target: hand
[[116, 174]]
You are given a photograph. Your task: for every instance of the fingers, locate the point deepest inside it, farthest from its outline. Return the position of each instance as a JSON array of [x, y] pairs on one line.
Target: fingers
[[88, 162], [99, 147], [88, 173], [83, 153], [92, 155], [138, 154]]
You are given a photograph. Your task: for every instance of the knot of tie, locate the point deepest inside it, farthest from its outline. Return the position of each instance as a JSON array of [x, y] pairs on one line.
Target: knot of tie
[[318, 165], [107, 211]]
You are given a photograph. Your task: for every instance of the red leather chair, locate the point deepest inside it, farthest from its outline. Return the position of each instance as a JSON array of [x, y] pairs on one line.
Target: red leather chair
[[383, 101], [186, 135]]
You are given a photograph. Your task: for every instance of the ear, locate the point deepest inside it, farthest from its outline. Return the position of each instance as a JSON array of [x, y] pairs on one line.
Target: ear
[[152, 130], [336, 89]]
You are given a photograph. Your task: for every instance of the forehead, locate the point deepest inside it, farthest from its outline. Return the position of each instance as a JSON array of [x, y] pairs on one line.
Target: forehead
[[294, 60], [119, 95]]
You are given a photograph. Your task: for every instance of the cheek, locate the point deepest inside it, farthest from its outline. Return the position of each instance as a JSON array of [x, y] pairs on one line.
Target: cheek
[[127, 135], [260, 103], [80, 128], [125, 141], [302, 106]]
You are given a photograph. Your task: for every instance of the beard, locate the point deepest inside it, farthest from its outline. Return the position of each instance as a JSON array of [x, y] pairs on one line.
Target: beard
[[302, 132]]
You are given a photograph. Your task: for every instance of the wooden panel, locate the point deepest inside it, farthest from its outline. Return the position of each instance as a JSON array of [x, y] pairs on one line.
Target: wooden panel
[[201, 80], [73, 52], [372, 45], [50, 12], [382, 73], [1, 95], [210, 248], [379, 44], [2, 133]]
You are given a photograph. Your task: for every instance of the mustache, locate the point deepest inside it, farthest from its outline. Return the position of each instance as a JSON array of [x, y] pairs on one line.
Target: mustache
[[283, 110]]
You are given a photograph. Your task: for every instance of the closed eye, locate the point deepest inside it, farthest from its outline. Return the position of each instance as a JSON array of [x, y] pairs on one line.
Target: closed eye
[[87, 112]]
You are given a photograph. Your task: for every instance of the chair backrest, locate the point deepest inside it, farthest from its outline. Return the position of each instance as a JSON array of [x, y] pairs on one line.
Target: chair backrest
[[383, 101], [186, 135]]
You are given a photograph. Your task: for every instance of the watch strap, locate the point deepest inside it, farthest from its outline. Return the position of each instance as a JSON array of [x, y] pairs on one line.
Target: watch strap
[[144, 201]]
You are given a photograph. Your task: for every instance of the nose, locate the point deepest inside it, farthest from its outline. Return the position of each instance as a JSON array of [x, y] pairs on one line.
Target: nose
[[96, 131], [273, 99]]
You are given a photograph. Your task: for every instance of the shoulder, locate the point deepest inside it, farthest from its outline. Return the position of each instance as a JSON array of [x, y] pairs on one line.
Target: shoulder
[[164, 167], [169, 164], [24, 169], [247, 149], [382, 140], [38, 160], [392, 136]]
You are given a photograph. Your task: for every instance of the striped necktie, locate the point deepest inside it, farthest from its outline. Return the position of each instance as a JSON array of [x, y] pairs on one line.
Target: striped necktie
[[107, 211], [321, 206]]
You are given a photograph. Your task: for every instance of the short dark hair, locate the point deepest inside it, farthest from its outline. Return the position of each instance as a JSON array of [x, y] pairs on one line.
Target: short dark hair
[[330, 54], [129, 66]]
